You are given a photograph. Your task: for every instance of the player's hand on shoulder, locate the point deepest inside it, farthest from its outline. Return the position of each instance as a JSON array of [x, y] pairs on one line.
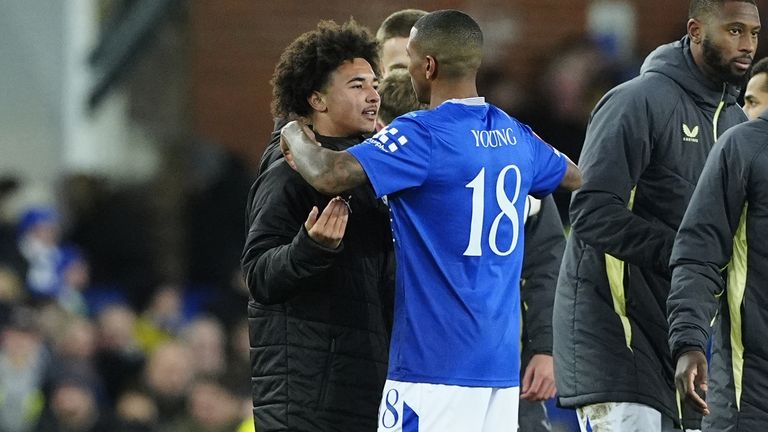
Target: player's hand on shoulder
[[290, 134]]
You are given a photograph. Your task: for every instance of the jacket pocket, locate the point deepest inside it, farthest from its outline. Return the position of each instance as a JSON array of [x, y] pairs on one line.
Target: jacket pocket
[[324, 383]]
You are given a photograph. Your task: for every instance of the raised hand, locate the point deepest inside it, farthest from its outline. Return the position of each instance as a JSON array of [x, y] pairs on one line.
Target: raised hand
[[328, 229]]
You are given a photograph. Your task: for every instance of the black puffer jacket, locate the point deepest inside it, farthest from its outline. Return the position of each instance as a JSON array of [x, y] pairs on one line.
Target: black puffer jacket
[[319, 319], [720, 262]]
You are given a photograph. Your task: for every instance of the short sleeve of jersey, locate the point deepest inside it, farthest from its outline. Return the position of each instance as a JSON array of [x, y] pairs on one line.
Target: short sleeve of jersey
[[397, 157], [549, 167]]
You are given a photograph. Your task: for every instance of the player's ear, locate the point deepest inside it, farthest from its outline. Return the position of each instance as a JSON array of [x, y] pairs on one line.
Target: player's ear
[[430, 67], [695, 30], [317, 101]]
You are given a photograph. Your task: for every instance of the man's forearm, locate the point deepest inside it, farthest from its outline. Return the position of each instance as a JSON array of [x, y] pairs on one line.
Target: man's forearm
[[330, 172], [313, 163], [572, 179]]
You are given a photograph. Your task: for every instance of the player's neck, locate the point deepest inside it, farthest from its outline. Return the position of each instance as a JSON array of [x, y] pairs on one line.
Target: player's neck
[[453, 89]]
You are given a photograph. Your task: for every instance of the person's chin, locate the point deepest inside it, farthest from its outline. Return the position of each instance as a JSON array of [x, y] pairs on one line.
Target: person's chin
[[368, 127], [738, 76]]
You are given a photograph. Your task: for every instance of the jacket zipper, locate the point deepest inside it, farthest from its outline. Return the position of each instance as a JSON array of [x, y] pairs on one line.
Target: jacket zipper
[[718, 111], [327, 373]]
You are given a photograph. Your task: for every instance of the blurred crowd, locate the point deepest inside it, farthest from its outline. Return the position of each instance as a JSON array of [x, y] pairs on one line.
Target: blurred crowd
[[82, 357]]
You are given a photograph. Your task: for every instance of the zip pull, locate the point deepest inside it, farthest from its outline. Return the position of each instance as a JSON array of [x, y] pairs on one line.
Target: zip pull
[[718, 111]]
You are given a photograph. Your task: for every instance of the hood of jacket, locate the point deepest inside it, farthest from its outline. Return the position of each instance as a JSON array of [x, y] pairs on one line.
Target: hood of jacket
[[675, 61]]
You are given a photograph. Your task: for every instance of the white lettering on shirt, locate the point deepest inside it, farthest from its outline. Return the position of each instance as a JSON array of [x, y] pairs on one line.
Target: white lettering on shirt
[[494, 138]]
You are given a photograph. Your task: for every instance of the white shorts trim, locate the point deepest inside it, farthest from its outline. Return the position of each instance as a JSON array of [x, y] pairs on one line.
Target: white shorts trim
[[421, 407]]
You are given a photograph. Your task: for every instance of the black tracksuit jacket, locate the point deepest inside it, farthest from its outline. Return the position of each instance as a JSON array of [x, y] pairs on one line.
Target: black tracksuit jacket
[[726, 227]]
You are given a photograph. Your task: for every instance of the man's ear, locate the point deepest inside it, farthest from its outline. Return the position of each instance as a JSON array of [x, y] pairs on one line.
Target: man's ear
[[695, 30], [317, 101], [430, 68]]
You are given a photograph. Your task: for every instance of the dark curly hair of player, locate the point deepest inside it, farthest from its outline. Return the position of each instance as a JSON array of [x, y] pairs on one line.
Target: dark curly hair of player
[[306, 65]]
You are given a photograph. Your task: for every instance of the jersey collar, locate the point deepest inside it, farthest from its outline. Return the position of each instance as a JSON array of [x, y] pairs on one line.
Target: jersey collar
[[479, 100]]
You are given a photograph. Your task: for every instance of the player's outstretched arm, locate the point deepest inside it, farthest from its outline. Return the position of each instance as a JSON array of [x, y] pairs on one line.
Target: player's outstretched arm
[[330, 172], [572, 178]]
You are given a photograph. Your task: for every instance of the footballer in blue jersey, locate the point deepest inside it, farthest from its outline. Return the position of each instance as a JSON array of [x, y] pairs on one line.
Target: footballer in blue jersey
[[456, 177]]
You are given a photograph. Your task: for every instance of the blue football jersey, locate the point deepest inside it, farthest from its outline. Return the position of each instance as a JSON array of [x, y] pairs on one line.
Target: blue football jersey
[[456, 178]]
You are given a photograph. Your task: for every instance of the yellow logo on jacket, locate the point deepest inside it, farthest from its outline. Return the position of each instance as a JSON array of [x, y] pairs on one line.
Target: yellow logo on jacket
[[691, 135]]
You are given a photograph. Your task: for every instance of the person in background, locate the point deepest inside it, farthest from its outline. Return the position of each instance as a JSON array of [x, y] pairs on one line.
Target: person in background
[[168, 376], [11, 259], [135, 411], [205, 336], [75, 350], [397, 97], [393, 36], [646, 145], [118, 358], [74, 408], [719, 269], [211, 407], [24, 367], [162, 319], [756, 94], [11, 294], [73, 274], [39, 244], [543, 253]]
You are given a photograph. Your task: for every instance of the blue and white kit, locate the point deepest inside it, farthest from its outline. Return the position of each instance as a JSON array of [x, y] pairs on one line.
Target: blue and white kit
[[456, 178]]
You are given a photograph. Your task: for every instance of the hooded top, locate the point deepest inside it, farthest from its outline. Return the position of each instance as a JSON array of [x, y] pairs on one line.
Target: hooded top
[[646, 145], [675, 61]]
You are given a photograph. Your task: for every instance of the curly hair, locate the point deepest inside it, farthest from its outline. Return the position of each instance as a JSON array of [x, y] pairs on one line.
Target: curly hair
[[307, 63]]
